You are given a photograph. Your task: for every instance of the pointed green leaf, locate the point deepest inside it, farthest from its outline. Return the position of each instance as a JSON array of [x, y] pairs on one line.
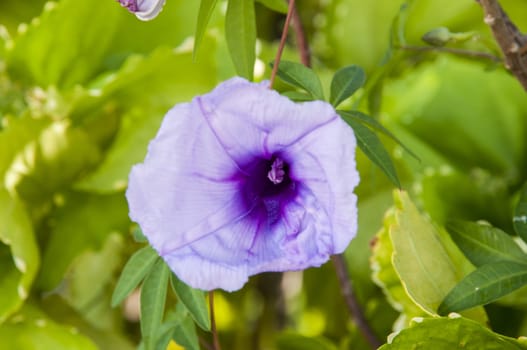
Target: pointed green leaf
[[138, 235], [185, 331], [240, 32], [297, 96], [520, 215], [483, 244], [301, 76], [276, 5], [345, 82], [133, 273], [375, 125], [486, 284], [370, 144], [153, 297], [194, 301], [206, 8], [448, 333], [19, 255]]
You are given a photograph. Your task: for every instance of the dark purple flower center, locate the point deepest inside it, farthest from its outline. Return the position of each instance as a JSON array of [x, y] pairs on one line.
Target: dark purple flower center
[[268, 187], [131, 5]]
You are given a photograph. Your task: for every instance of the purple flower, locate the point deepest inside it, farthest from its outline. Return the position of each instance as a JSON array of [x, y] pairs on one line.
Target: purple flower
[[241, 181], [143, 9]]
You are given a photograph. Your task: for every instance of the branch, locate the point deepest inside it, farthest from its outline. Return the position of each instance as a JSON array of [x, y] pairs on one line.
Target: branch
[[512, 42], [352, 303], [453, 51]]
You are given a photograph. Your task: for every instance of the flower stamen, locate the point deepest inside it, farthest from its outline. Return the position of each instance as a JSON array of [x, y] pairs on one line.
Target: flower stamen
[[277, 172]]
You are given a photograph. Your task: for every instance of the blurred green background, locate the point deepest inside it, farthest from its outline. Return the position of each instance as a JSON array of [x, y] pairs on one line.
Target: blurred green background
[[84, 86]]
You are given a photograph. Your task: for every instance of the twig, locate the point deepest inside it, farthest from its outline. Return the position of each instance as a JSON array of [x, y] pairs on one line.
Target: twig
[[511, 41], [301, 42], [204, 343], [454, 51], [215, 339], [282, 42], [352, 303]]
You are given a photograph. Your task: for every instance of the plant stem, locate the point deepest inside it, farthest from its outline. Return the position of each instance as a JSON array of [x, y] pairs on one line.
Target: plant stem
[[352, 303], [290, 11], [215, 339], [511, 41], [301, 42], [454, 51]]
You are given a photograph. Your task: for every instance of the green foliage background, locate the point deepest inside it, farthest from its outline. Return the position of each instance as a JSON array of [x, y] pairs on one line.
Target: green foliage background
[[83, 88]]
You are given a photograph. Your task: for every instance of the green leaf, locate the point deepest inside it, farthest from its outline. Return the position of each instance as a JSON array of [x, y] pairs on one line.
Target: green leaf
[[486, 284], [206, 7], [293, 341], [32, 329], [345, 82], [169, 77], [82, 223], [194, 301], [520, 215], [240, 32], [153, 297], [385, 276], [66, 45], [19, 255], [276, 5], [185, 331], [421, 259], [370, 144], [483, 244], [301, 76], [297, 96], [375, 125], [133, 273], [138, 235], [59, 155], [447, 333]]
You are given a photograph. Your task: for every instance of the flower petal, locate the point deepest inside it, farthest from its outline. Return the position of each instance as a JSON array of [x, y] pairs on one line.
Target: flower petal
[[144, 9], [324, 161], [274, 123], [185, 188]]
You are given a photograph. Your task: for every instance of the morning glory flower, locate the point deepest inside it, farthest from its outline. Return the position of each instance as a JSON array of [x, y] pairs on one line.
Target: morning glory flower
[[144, 9], [243, 180]]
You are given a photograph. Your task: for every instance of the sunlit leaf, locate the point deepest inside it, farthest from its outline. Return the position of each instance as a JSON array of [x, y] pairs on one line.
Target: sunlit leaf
[[486, 284], [194, 301], [421, 258], [375, 125], [520, 215], [370, 144], [240, 32], [206, 7], [301, 76], [345, 82], [75, 231], [170, 77], [385, 276], [133, 273], [484, 244], [447, 333], [153, 297], [59, 155], [32, 329], [19, 255], [42, 55]]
